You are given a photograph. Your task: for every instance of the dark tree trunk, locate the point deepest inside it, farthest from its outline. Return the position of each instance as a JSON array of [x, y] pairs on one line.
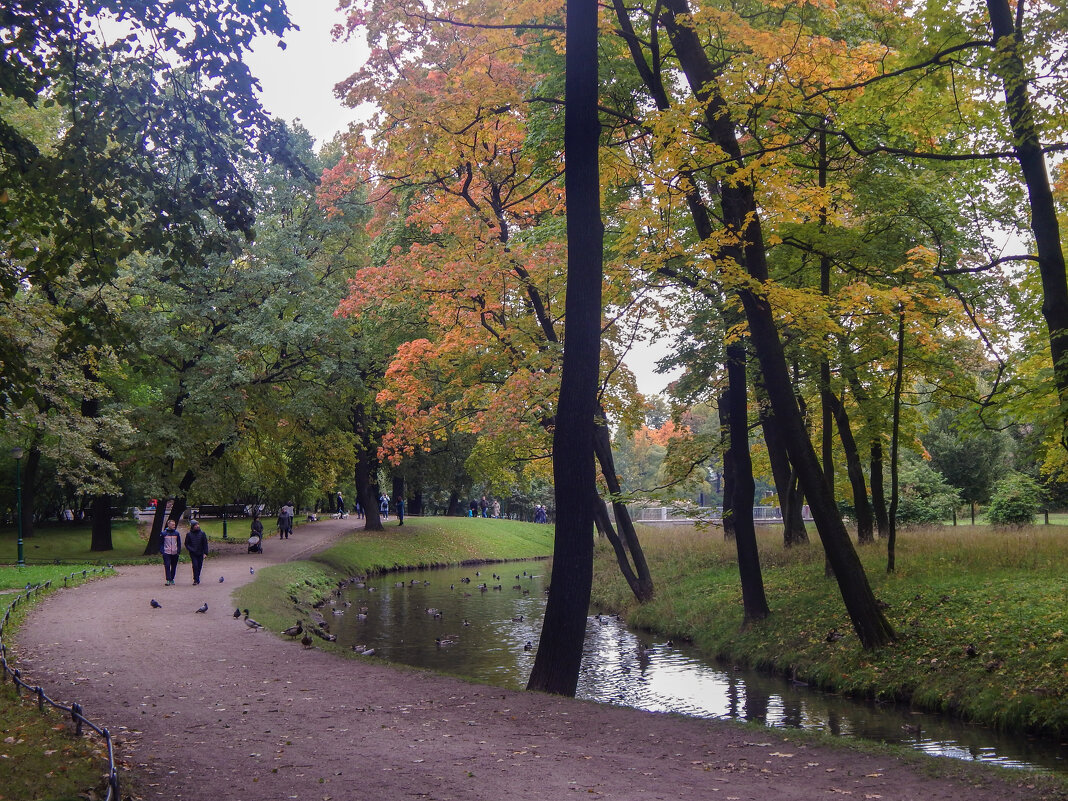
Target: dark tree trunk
[[30, 470], [786, 484], [878, 498], [742, 219], [635, 569], [1010, 68], [754, 600], [556, 665], [895, 436], [728, 465], [101, 539], [453, 509], [365, 467], [855, 470]]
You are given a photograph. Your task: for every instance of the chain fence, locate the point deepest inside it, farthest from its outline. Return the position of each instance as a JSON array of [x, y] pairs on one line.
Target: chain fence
[[75, 709]]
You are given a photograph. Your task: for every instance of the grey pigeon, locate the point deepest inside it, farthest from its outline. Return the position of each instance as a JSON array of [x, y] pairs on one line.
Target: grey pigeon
[[156, 604], [204, 608], [221, 579]]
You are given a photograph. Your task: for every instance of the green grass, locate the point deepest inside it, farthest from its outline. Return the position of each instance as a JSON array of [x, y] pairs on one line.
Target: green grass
[[280, 591], [69, 544], [1003, 593], [40, 756]]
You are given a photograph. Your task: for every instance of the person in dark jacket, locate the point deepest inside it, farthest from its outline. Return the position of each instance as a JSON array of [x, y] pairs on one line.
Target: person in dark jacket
[[196, 544], [170, 546]]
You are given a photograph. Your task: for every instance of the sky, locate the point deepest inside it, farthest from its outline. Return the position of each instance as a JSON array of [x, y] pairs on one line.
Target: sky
[[298, 83]]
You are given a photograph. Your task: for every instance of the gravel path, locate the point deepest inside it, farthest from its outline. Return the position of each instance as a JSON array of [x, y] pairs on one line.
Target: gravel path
[[204, 708]]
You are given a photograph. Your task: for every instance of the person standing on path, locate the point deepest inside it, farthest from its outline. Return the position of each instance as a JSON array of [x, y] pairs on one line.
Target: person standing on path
[[400, 511], [170, 545], [285, 522], [340, 506], [196, 545]]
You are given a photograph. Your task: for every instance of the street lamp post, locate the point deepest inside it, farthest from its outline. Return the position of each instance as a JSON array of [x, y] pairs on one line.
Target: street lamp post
[[17, 453]]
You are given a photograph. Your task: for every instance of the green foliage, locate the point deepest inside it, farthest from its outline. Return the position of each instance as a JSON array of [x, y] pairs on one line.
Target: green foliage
[[981, 614], [1017, 498], [925, 496]]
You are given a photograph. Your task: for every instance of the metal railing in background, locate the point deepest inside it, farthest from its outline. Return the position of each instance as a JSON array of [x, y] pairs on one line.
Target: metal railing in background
[[75, 709]]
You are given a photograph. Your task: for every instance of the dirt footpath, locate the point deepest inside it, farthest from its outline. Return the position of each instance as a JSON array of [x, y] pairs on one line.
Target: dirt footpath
[[204, 708]]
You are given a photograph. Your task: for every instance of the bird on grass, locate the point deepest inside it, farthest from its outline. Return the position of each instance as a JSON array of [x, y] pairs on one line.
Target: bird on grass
[[294, 630], [237, 613], [155, 604], [322, 635], [252, 624], [203, 609]]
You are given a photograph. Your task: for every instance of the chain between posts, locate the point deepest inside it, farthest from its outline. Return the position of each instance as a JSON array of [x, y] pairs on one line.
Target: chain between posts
[[75, 709]]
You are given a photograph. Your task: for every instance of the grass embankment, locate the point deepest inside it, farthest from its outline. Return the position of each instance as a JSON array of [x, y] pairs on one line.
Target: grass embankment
[[285, 592], [981, 617], [40, 758]]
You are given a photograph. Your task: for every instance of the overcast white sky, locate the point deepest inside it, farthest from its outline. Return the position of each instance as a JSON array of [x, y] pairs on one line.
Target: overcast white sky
[[298, 83]]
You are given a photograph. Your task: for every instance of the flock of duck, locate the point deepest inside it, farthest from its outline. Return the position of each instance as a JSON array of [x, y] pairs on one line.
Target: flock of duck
[[338, 607]]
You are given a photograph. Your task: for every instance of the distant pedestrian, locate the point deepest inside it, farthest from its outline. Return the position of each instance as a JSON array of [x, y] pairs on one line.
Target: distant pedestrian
[[383, 506], [359, 511], [496, 508], [285, 522], [340, 506], [483, 507], [400, 511], [170, 546], [196, 545]]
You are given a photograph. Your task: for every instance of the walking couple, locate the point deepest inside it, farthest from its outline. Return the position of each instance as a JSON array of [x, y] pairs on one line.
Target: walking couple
[[170, 546]]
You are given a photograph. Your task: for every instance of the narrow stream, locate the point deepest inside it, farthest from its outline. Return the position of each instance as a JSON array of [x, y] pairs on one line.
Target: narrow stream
[[478, 622]]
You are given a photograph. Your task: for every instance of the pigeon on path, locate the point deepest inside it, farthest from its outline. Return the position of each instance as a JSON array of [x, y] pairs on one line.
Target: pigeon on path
[[204, 608], [156, 604], [237, 614]]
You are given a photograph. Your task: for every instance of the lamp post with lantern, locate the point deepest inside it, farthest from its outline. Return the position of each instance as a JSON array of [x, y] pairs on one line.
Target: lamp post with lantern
[[17, 453]]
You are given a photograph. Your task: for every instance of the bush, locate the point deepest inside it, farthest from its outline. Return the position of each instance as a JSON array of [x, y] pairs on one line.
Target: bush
[[925, 497], [1016, 500]]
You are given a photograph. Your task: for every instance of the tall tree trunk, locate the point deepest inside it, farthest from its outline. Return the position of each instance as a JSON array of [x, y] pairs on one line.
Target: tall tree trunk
[[786, 485], [556, 665], [30, 470], [754, 600], [453, 509], [855, 470], [878, 498], [362, 474], [635, 569], [723, 408], [895, 436], [1010, 67], [742, 219], [101, 538]]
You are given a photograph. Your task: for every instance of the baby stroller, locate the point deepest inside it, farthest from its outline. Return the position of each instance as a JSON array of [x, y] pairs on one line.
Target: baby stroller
[[255, 544]]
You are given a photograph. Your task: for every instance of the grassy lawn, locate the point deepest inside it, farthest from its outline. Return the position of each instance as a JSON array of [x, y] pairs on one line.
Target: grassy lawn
[[69, 544], [981, 617]]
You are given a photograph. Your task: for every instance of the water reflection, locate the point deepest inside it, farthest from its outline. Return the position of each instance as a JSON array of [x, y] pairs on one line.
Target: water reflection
[[476, 623]]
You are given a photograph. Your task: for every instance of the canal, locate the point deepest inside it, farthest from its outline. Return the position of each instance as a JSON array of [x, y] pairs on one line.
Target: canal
[[483, 623]]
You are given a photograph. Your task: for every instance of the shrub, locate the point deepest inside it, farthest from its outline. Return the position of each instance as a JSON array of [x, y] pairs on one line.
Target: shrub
[[1016, 500]]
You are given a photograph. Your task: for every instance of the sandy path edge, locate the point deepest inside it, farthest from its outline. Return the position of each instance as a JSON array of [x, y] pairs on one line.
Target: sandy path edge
[[203, 708]]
